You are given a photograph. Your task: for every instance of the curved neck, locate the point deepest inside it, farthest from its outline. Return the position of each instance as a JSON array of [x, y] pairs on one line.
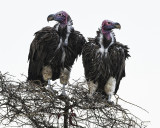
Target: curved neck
[[106, 39], [107, 34], [62, 27], [64, 31]]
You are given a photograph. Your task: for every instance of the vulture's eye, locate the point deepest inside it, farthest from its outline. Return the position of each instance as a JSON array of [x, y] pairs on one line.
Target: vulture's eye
[[109, 22], [60, 14]]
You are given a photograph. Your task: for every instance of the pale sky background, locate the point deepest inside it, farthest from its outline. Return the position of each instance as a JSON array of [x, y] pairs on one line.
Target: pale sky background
[[140, 25]]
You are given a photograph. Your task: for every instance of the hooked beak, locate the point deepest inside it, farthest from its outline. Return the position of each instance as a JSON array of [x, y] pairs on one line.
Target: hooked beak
[[117, 25], [51, 17]]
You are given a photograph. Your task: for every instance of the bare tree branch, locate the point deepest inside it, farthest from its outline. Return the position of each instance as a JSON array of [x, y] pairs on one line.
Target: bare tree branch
[[26, 103]]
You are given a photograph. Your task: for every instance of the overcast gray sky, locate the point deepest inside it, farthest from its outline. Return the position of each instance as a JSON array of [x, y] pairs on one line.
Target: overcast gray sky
[[140, 24]]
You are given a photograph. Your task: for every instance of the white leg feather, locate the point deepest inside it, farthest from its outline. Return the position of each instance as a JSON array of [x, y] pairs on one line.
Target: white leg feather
[[64, 76], [92, 88], [47, 73], [110, 87]]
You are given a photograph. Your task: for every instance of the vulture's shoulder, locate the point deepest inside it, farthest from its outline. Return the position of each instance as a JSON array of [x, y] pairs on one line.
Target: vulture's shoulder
[[90, 47], [46, 34], [119, 47], [91, 40], [44, 39], [78, 41], [77, 35], [92, 43]]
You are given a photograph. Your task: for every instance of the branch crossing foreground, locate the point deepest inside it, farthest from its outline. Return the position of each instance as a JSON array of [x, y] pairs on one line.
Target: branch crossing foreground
[[26, 103]]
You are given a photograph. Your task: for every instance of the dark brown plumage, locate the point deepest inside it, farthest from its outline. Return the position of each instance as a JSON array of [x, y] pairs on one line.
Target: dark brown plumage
[[41, 52], [104, 59], [54, 49]]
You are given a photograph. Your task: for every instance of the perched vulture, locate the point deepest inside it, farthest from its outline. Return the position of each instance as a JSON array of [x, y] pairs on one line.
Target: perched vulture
[[104, 61], [54, 50]]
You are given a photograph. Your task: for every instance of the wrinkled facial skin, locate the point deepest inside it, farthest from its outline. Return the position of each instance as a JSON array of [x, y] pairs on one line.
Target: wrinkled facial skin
[[61, 17], [109, 25]]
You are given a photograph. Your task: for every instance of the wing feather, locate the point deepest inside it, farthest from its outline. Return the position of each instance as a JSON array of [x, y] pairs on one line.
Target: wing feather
[[118, 54], [41, 50]]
